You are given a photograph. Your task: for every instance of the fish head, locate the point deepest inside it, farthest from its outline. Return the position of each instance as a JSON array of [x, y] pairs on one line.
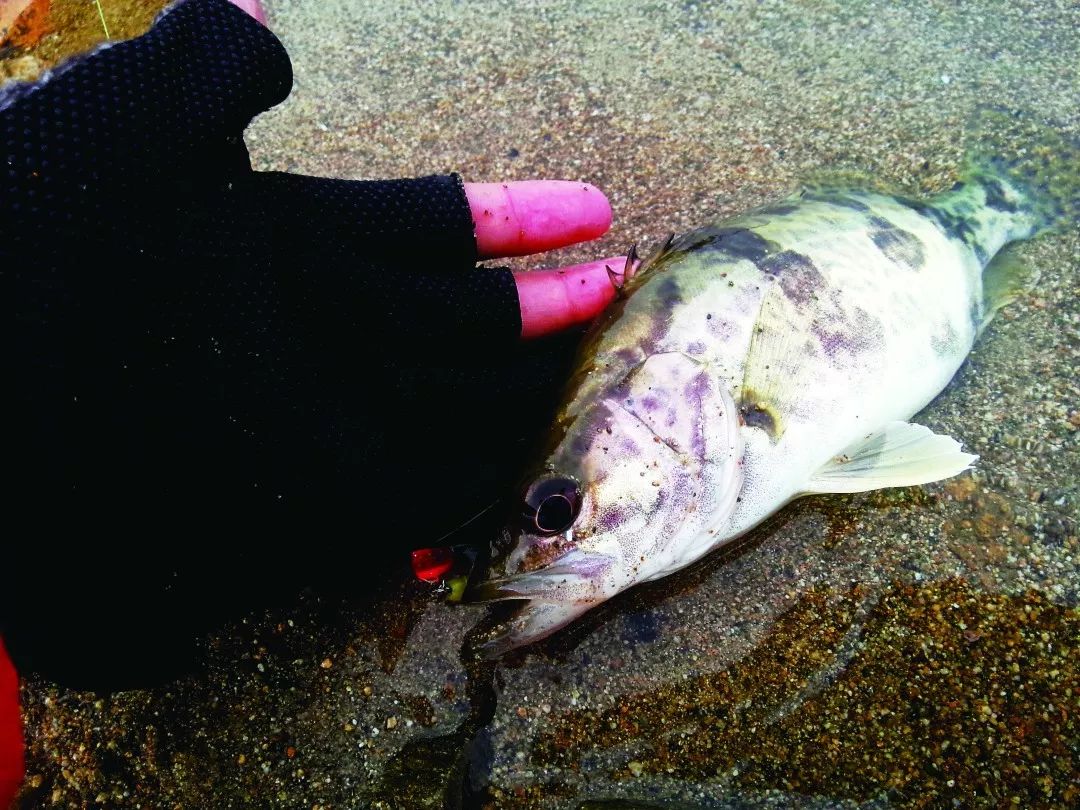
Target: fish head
[[637, 478]]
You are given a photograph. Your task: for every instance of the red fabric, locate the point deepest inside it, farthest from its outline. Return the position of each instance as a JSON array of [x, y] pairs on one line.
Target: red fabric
[[11, 736]]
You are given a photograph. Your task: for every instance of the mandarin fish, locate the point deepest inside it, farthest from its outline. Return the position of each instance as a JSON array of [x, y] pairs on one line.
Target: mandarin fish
[[776, 354]]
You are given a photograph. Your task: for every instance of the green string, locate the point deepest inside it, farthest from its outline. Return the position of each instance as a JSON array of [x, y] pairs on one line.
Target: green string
[[102, 15]]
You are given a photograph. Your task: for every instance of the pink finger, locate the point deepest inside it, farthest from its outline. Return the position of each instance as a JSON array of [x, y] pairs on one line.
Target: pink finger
[[552, 300], [531, 216], [252, 7]]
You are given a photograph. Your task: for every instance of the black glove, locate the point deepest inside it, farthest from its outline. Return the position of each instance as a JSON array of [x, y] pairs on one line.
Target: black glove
[[221, 379]]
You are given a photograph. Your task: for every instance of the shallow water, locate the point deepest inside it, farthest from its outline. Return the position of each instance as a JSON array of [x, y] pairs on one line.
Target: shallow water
[[907, 648]]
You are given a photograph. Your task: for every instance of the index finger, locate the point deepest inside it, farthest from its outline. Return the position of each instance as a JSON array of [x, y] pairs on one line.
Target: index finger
[[531, 216]]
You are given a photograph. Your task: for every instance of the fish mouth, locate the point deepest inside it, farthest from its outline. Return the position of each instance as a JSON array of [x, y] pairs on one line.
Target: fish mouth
[[574, 576], [551, 597]]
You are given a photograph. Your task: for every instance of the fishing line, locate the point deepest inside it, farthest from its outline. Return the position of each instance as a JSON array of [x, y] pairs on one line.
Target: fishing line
[[475, 517], [101, 14]]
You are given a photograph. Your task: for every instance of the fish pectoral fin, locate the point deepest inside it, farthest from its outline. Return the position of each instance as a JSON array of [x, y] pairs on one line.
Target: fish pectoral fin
[[899, 455]]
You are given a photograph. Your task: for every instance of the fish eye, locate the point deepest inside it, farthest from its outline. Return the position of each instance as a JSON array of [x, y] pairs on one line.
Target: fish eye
[[552, 504]]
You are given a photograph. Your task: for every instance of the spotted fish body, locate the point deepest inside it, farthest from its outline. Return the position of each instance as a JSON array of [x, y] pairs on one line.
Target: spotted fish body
[[794, 308], [755, 360]]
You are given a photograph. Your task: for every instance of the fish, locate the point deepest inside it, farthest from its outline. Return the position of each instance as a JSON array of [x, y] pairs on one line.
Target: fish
[[776, 354]]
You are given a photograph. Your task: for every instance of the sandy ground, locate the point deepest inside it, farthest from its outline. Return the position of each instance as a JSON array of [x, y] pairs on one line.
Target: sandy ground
[[909, 648]]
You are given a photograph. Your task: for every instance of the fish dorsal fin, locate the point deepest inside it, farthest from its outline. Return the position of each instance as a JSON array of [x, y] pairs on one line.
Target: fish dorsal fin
[[1004, 279], [632, 278], [899, 455]]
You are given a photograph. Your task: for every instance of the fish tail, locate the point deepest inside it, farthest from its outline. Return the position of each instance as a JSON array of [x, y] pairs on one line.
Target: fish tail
[[1024, 177], [1025, 167]]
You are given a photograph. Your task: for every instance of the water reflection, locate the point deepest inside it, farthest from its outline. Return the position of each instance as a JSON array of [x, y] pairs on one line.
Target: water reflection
[[939, 692]]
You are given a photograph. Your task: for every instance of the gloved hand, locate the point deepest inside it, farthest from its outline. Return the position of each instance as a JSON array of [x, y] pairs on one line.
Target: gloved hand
[[221, 379]]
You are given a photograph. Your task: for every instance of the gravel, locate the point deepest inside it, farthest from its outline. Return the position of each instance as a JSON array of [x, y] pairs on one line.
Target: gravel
[[903, 648]]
